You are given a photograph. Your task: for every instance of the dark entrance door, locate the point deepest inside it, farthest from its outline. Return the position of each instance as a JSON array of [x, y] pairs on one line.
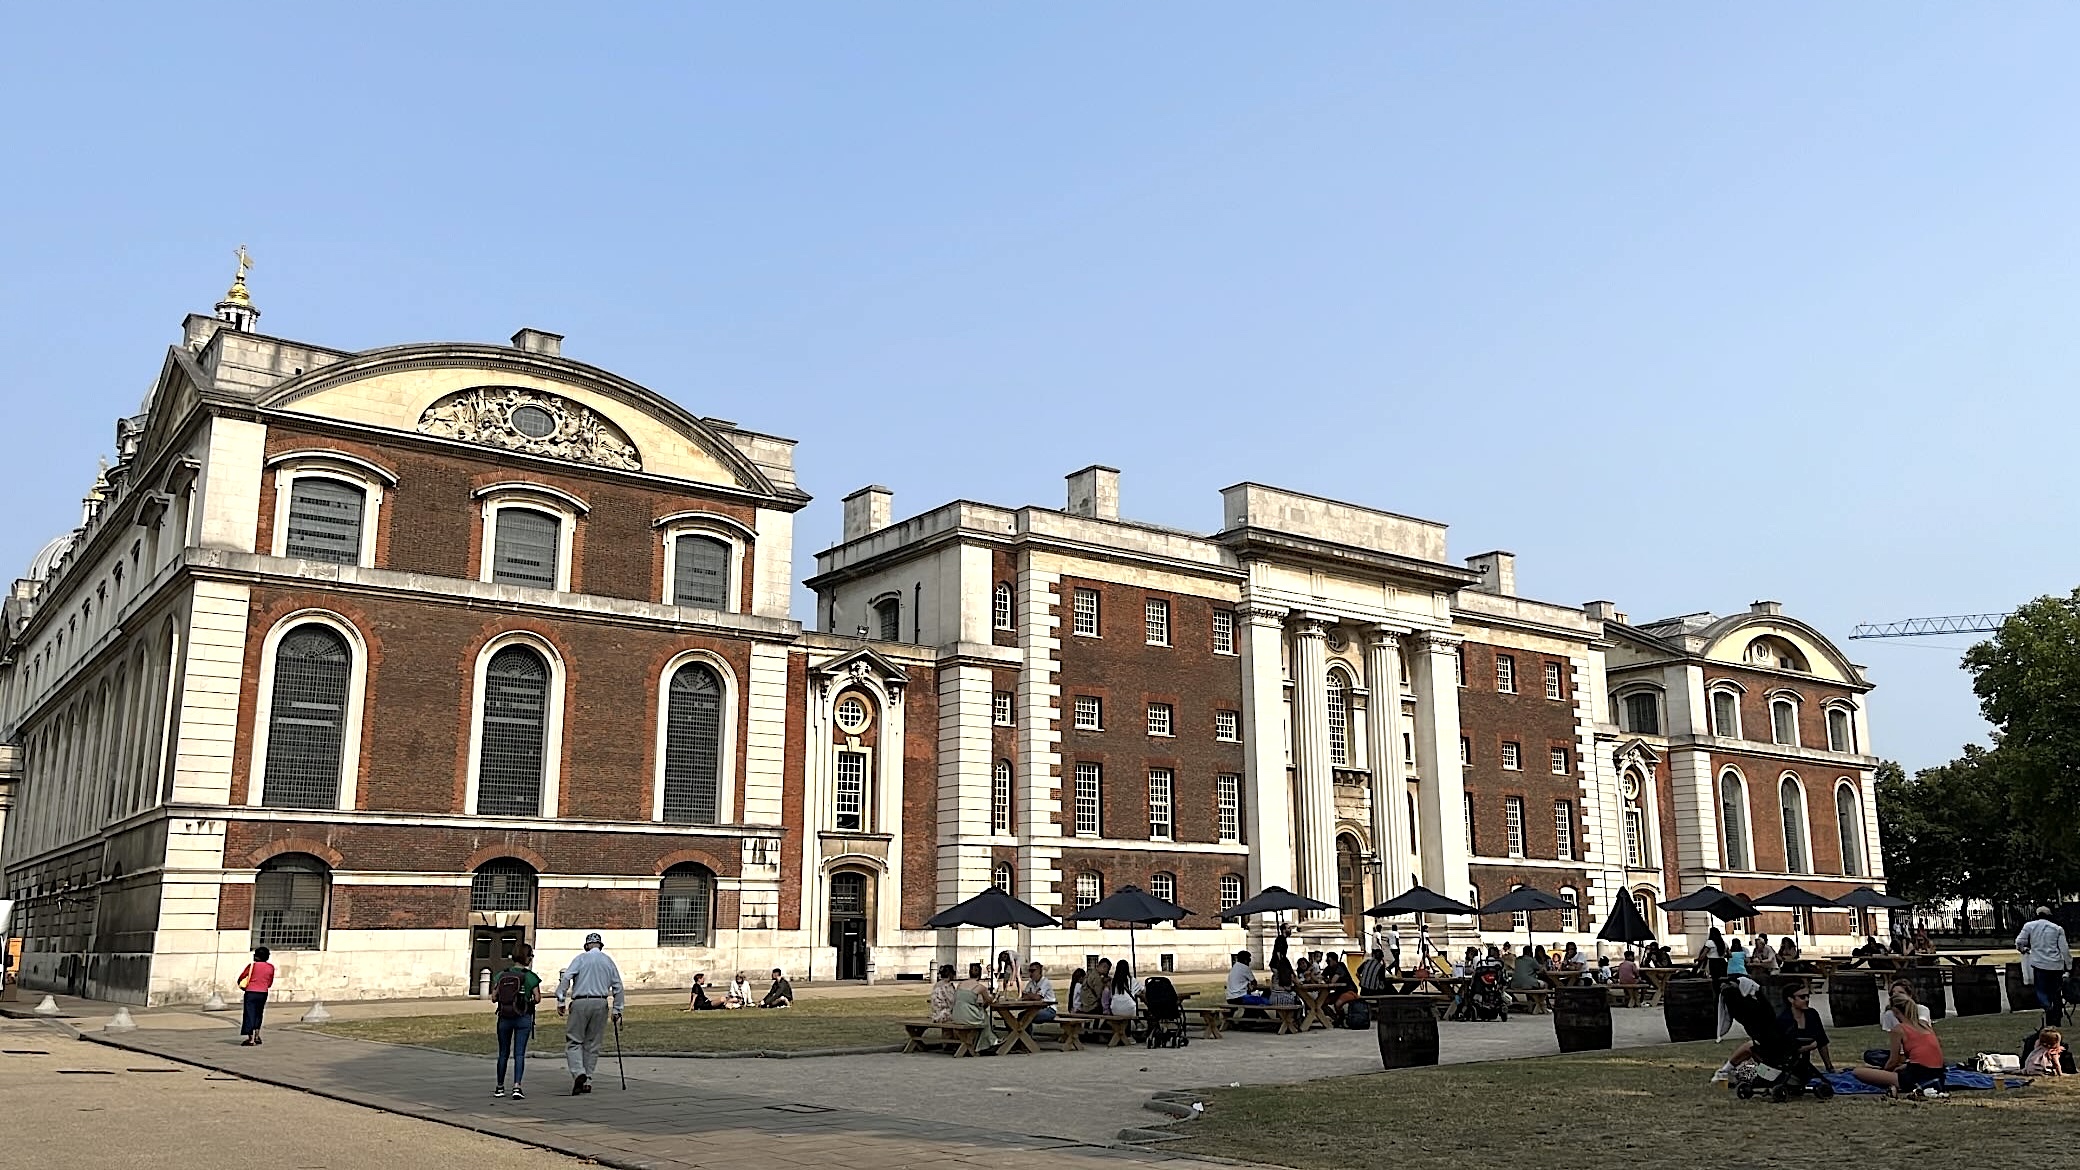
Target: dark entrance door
[[490, 950], [849, 923]]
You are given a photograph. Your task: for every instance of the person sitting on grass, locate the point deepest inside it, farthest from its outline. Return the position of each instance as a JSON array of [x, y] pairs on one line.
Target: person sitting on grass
[[971, 1000], [1039, 989], [739, 993], [780, 994], [2046, 1058], [1242, 983], [697, 1000], [944, 992], [1915, 1064]]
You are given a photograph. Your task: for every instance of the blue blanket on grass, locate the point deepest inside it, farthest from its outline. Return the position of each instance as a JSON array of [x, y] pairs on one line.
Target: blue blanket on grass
[[1846, 1085]]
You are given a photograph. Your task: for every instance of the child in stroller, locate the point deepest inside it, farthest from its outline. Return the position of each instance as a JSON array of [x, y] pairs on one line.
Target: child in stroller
[[1774, 1061], [1482, 996]]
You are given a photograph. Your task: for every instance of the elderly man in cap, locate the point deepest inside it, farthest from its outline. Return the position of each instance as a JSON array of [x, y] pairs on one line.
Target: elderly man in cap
[[584, 993]]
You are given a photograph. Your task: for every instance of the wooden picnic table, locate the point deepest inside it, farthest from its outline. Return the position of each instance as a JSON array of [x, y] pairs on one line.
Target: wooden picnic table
[[1018, 1014]]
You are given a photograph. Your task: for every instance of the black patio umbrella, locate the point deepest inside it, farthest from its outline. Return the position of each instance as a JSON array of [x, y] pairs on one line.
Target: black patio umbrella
[[1419, 900], [992, 908], [1524, 899], [1134, 907], [1713, 901], [1274, 900], [1625, 925]]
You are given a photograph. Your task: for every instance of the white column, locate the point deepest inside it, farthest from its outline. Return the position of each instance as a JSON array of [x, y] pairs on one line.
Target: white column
[[1268, 804], [1390, 827], [1315, 786], [1441, 798]]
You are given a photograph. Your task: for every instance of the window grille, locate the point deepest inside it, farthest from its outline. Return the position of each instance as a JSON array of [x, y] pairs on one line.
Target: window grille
[[700, 572], [685, 906], [851, 796], [325, 520], [289, 903], [502, 885], [524, 548], [1159, 825], [306, 722], [693, 746], [516, 717]]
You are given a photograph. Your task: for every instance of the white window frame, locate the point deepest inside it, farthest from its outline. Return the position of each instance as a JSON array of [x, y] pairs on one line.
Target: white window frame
[[1002, 706], [1227, 726], [1000, 796], [1562, 761], [1783, 699], [726, 749], [1505, 674], [1093, 802], [563, 506], [1563, 830], [1513, 823], [1224, 631], [350, 727], [1847, 714], [1162, 815], [1155, 620], [1512, 756], [1556, 688], [1227, 789], [552, 735], [1097, 710], [371, 479], [1733, 695], [1002, 612], [729, 531], [1162, 720], [1078, 595]]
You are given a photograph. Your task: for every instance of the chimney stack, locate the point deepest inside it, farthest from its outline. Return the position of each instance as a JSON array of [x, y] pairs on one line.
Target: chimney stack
[[1498, 572], [1094, 492], [536, 341], [867, 511]]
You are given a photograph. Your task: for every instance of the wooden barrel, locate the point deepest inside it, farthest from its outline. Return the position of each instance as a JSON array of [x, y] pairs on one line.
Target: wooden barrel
[[1977, 988], [1582, 1018], [1852, 998], [1928, 989], [2022, 997], [1407, 1027], [1691, 1010]]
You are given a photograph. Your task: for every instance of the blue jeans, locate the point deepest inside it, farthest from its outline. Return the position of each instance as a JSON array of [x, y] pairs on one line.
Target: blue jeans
[[513, 1035]]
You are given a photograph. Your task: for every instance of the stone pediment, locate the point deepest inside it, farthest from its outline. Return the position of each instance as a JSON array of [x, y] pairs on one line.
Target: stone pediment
[[533, 422]]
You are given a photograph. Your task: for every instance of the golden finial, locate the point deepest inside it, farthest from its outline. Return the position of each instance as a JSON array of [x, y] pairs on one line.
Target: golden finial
[[238, 294]]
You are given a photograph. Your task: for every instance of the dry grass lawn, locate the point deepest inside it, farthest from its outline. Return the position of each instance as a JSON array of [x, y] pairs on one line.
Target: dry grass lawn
[[1636, 1107]]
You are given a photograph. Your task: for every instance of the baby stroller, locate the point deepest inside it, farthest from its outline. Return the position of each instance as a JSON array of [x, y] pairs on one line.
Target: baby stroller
[[1164, 1013], [1483, 997], [1781, 1070]]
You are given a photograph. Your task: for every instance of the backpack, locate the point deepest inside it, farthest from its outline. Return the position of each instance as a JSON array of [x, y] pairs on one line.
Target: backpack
[[506, 994]]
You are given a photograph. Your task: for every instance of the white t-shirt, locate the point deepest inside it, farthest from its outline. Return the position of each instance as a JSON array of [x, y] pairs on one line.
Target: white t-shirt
[[1888, 1019], [1239, 981]]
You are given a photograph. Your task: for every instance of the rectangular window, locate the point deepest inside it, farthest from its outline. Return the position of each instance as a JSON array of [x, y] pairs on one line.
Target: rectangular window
[[852, 791], [1563, 830], [1506, 674], [1088, 712], [523, 549], [1554, 689], [1157, 613], [1159, 804], [1560, 761], [1224, 631], [1000, 708], [1087, 778], [1227, 788], [1000, 799], [1512, 755], [1227, 726], [1513, 813], [1086, 612], [1468, 802], [1159, 719]]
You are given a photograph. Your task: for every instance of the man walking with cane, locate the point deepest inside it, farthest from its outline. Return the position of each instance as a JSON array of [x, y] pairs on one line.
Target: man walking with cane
[[588, 993], [2045, 957]]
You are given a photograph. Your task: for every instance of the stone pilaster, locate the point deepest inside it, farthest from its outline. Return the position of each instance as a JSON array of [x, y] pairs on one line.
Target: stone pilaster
[[1314, 787], [1390, 827]]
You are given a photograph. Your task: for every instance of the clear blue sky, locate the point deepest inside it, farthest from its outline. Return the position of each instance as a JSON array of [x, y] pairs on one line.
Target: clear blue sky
[[1686, 308]]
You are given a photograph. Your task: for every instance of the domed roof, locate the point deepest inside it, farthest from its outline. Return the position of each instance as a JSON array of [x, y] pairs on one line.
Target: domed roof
[[47, 559]]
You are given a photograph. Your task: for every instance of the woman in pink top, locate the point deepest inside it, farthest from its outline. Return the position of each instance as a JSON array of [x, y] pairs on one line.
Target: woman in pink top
[[255, 981]]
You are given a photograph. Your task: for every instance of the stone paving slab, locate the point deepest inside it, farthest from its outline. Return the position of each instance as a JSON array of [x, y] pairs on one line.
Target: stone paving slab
[[651, 1125]]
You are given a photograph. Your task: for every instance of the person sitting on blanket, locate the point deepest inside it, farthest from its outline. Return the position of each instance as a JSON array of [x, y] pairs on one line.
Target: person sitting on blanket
[[1242, 984], [2044, 1059], [1916, 1061]]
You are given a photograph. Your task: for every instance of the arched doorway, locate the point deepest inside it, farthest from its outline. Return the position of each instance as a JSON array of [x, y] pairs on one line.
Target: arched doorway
[[850, 909], [1350, 885]]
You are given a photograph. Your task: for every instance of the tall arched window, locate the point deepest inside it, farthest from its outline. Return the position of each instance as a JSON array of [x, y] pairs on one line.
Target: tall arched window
[[692, 745], [1848, 816], [685, 906], [516, 722], [1000, 606], [700, 572], [1733, 819], [1793, 799], [502, 885], [1339, 719], [306, 723], [289, 902]]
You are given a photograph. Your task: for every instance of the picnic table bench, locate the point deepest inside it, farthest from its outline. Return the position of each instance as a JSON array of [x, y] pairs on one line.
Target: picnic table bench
[[961, 1036]]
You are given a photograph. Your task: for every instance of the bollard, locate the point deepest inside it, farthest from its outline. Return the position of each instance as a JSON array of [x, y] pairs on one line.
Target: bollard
[[121, 1023], [49, 1006], [317, 1014]]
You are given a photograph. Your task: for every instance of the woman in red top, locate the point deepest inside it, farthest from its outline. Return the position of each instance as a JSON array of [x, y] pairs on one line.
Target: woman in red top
[[255, 981]]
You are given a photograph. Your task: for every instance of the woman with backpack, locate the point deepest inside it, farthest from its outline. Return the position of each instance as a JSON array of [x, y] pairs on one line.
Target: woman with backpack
[[256, 981], [515, 993]]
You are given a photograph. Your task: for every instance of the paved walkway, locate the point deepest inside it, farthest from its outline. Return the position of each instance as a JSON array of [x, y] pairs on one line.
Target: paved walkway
[[653, 1124]]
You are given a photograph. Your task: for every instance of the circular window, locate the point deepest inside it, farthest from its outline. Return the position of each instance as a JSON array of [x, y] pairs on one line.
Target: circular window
[[534, 422], [852, 715]]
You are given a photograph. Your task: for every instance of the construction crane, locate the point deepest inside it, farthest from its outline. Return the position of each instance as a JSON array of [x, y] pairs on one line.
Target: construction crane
[[1964, 623]]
